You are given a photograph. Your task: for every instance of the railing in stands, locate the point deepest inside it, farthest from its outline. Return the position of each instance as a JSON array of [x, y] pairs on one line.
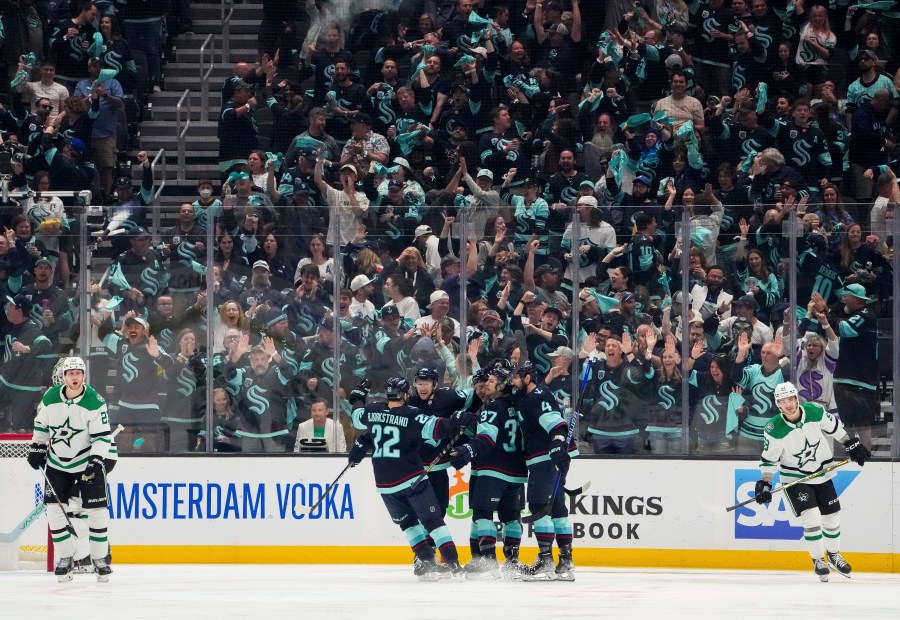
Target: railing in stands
[[226, 30], [181, 128], [204, 75], [161, 160]]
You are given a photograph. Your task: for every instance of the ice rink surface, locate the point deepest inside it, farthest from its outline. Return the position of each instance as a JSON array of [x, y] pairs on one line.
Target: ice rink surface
[[262, 592]]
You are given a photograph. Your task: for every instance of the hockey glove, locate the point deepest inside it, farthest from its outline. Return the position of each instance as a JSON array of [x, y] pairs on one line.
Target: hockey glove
[[37, 455], [462, 419], [857, 451], [358, 451], [559, 453], [94, 470], [360, 392], [763, 492], [462, 455]]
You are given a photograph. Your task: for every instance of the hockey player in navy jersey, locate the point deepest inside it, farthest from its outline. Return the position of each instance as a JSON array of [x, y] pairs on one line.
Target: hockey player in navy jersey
[[546, 453], [441, 402], [798, 442], [498, 478], [394, 431]]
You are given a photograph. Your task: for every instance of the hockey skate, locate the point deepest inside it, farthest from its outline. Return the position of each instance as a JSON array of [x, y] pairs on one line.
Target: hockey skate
[[542, 569], [63, 570], [565, 569], [838, 563], [426, 569], [821, 569], [102, 569], [512, 569], [482, 567], [84, 566]]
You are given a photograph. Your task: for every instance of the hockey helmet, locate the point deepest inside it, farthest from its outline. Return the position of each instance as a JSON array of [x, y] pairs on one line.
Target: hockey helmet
[[526, 369], [429, 374], [395, 388], [501, 373], [72, 363], [784, 390], [480, 376]]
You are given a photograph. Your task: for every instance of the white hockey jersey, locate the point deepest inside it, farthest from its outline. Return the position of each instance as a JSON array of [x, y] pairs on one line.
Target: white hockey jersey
[[801, 448], [74, 430]]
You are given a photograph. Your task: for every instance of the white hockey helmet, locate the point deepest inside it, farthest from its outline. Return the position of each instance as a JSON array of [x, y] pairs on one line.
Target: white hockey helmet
[[71, 363], [784, 390]]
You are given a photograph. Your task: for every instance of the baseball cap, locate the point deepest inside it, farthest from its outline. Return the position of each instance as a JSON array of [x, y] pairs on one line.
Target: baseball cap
[[855, 290], [360, 281], [349, 167], [449, 260], [136, 319], [403, 162], [532, 181], [43, 260], [123, 180], [21, 301], [748, 301], [642, 178], [484, 172], [625, 296], [553, 5], [587, 201], [363, 118], [390, 310], [422, 229], [673, 60], [868, 54], [302, 187], [491, 315], [559, 28], [261, 264], [437, 296], [545, 268], [327, 322], [562, 352], [395, 184], [555, 309], [138, 232]]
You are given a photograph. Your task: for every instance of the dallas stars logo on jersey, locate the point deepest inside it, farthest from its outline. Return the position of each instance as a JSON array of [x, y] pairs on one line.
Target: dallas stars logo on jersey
[[807, 454], [64, 433]]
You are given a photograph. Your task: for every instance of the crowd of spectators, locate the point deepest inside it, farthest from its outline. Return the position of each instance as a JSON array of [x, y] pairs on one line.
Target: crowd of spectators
[[420, 149]]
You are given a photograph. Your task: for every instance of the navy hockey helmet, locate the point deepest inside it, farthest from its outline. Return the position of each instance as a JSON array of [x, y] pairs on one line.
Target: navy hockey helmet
[[429, 374], [481, 375], [526, 369], [395, 388]]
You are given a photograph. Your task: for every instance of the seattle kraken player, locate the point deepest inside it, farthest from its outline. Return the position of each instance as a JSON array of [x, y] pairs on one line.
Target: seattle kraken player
[[544, 430], [441, 402], [498, 475], [394, 431]]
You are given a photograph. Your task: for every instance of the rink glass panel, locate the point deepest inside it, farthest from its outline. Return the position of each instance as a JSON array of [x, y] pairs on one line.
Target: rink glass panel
[[168, 412]]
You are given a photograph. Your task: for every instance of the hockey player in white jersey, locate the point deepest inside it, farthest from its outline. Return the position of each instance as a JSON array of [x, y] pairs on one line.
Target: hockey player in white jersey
[[797, 442], [72, 439]]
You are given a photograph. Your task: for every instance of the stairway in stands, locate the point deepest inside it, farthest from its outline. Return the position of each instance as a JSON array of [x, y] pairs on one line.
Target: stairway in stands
[[183, 72]]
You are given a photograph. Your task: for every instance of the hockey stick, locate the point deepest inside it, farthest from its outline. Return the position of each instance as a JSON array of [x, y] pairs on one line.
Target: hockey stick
[[782, 487], [559, 474], [523, 357], [330, 487], [17, 531]]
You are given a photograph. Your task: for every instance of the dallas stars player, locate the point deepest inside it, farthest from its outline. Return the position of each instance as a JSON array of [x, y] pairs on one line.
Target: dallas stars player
[[798, 442], [72, 437]]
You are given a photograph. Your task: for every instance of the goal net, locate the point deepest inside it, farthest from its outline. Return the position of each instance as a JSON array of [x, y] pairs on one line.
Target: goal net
[[25, 541]]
